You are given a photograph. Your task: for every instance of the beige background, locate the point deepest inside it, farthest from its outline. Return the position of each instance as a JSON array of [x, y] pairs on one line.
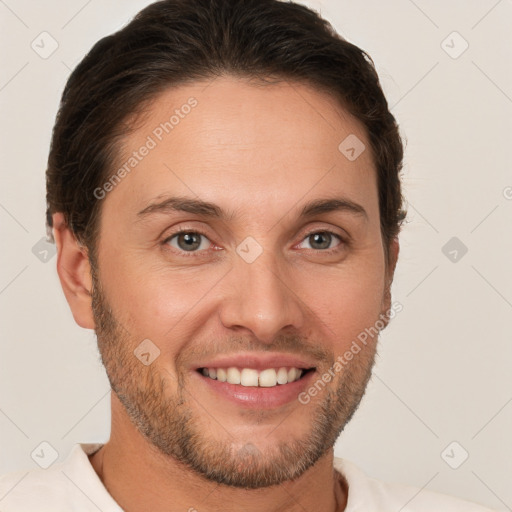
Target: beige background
[[444, 371]]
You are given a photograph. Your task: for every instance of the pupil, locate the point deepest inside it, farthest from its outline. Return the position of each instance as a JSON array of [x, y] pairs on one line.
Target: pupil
[[191, 241], [317, 237]]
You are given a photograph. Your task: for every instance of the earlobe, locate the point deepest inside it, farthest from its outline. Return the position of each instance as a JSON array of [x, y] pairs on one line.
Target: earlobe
[[74, 272]]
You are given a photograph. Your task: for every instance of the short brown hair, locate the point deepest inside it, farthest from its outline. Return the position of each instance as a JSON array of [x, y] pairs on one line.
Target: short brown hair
[[174, 42]]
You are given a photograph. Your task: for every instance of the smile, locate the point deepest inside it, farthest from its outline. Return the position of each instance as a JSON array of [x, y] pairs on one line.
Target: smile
[[250, 377]]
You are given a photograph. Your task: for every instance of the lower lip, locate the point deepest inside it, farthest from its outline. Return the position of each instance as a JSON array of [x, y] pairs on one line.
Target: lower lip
[[256, 397]]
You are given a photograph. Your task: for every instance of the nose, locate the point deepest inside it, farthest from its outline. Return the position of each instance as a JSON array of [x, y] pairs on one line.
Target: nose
[[259, 297]]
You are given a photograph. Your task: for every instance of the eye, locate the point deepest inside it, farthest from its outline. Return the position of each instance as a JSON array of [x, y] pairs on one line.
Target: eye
[[188, 241], [322, 240], [194, 241]]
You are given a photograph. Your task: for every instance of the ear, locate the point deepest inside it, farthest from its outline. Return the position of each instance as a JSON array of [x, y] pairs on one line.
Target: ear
[[74, 272], [394, 249]]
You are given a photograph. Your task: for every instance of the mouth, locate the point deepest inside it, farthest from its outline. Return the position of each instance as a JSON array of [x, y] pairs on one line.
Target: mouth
[[251, 377], [255, 382]]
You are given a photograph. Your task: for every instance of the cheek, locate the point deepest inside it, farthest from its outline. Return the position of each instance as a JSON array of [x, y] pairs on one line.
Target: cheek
[[155, 301], [346, 303], [161, 303]]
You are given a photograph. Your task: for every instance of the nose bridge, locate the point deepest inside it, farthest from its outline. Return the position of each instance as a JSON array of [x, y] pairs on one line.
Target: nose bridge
[[259, 298]]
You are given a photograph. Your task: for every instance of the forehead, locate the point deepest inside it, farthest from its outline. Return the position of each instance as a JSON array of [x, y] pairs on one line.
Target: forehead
[[230, 141]]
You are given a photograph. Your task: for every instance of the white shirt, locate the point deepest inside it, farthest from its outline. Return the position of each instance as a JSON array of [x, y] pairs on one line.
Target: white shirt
[[74, 486]]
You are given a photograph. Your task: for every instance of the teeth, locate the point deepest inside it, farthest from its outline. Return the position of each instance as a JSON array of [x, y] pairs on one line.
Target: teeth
[[268, 378], [233, 376], [293, 374], [249, 377], [282, 376]]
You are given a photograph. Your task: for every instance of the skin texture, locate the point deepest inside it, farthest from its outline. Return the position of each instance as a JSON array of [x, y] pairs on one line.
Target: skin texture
[[260, 153]]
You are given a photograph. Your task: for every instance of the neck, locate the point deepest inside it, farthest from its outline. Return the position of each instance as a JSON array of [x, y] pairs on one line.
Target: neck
[[139, 477]]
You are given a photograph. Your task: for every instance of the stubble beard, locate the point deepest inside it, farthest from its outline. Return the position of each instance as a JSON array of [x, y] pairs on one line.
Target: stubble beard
[[159, 405]]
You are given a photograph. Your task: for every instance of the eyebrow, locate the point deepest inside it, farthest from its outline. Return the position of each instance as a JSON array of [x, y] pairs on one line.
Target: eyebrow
[[211, 210]]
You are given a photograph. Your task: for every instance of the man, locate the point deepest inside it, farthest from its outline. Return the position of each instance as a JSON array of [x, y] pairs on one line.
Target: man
[[223, 189]]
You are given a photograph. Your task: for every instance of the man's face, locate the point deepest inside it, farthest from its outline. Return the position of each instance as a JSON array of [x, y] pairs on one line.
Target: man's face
[[257, 287]]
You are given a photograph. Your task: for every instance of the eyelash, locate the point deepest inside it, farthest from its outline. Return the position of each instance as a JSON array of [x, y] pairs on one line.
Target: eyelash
[[197, 254]]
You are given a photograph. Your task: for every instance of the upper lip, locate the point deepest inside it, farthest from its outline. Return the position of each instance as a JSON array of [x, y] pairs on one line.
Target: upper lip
[[257, 361]]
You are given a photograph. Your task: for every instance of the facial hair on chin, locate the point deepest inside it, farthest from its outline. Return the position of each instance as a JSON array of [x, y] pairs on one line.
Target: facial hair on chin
[[160, 408]]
